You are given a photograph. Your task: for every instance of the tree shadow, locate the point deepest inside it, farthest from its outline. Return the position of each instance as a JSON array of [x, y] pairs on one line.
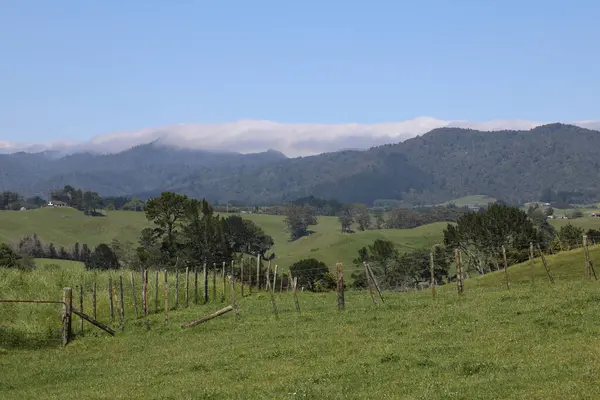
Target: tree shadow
[[16, 339]]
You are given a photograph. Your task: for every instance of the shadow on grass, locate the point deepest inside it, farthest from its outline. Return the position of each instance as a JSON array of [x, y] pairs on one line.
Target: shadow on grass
[[15, 339]]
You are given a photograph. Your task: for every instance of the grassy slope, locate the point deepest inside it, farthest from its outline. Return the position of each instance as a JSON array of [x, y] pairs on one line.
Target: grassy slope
[[488, 344], [67, 226]]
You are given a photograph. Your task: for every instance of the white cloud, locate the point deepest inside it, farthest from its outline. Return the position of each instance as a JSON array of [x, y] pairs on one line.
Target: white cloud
[[249, 136]]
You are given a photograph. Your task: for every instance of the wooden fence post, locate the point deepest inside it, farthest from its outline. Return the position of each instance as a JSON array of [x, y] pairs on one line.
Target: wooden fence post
[[116, 300], [506, 267], [258, 272], [242, 276], [94, 299], [133, 296], [249, 275], [196, 285], [550, 277], [268, 274], [296, 294], [432, 270], [369, 283], [275, 278], [81, 307], [176, 288], [67, 315], [224, 282], [144, 298], [205, 284], [458, 261], [122, 301], [214, 276], [187, 286], [370, 271], [531, 261], [166, 298], [110, 296], [156, 291], [272, 293], [233, 301], [340, 286], [586, 258]]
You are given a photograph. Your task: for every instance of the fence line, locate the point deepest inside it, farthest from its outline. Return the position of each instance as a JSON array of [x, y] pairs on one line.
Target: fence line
[[223, 291]]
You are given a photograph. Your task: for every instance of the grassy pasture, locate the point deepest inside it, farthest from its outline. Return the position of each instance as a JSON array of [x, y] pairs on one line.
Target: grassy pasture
[[65, 226], [535, 342]]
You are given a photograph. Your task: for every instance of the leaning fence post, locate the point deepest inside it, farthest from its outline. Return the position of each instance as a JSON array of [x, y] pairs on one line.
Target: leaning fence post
[[275, 278], [550, 277], [67, 315]]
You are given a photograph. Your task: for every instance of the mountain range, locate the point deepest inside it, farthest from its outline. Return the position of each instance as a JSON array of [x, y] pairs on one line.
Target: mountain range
[[445, 163], [253, 136]]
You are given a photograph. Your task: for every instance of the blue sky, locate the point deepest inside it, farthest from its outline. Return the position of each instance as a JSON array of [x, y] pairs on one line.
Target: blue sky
[[74, 69]]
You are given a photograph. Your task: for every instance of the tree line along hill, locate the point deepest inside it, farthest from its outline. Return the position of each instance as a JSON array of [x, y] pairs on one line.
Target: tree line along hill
[[446, 163]]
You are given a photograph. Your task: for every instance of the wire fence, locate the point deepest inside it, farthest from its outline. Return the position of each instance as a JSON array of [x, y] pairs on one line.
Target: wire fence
[[117, 298]]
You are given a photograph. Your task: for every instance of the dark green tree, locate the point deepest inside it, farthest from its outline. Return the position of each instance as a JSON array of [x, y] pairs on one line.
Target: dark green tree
[[309, 272], [480, 236], [570, 236], [102, 258], [298, 219], [167, 212], [8, 258]]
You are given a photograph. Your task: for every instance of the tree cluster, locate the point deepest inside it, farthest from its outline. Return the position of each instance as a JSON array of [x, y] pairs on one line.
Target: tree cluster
[[482, 236], [298, 219], [400, 271], [187, 231], [313, 275], [356, 214], [14, 201]]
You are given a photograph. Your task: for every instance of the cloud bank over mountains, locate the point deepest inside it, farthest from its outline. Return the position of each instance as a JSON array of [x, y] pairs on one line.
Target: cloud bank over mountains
[[251, 136]]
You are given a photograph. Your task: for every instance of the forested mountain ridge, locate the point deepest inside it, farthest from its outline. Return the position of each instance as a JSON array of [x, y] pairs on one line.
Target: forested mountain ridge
[[443, 164]]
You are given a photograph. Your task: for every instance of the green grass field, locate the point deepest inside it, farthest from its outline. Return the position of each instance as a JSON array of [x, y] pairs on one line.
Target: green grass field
[[475, 200], [65, 226], [535, 342], [584, 222]]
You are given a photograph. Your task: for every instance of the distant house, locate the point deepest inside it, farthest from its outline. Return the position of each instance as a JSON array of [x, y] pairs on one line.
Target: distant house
[[56, 203], [472, 207]]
